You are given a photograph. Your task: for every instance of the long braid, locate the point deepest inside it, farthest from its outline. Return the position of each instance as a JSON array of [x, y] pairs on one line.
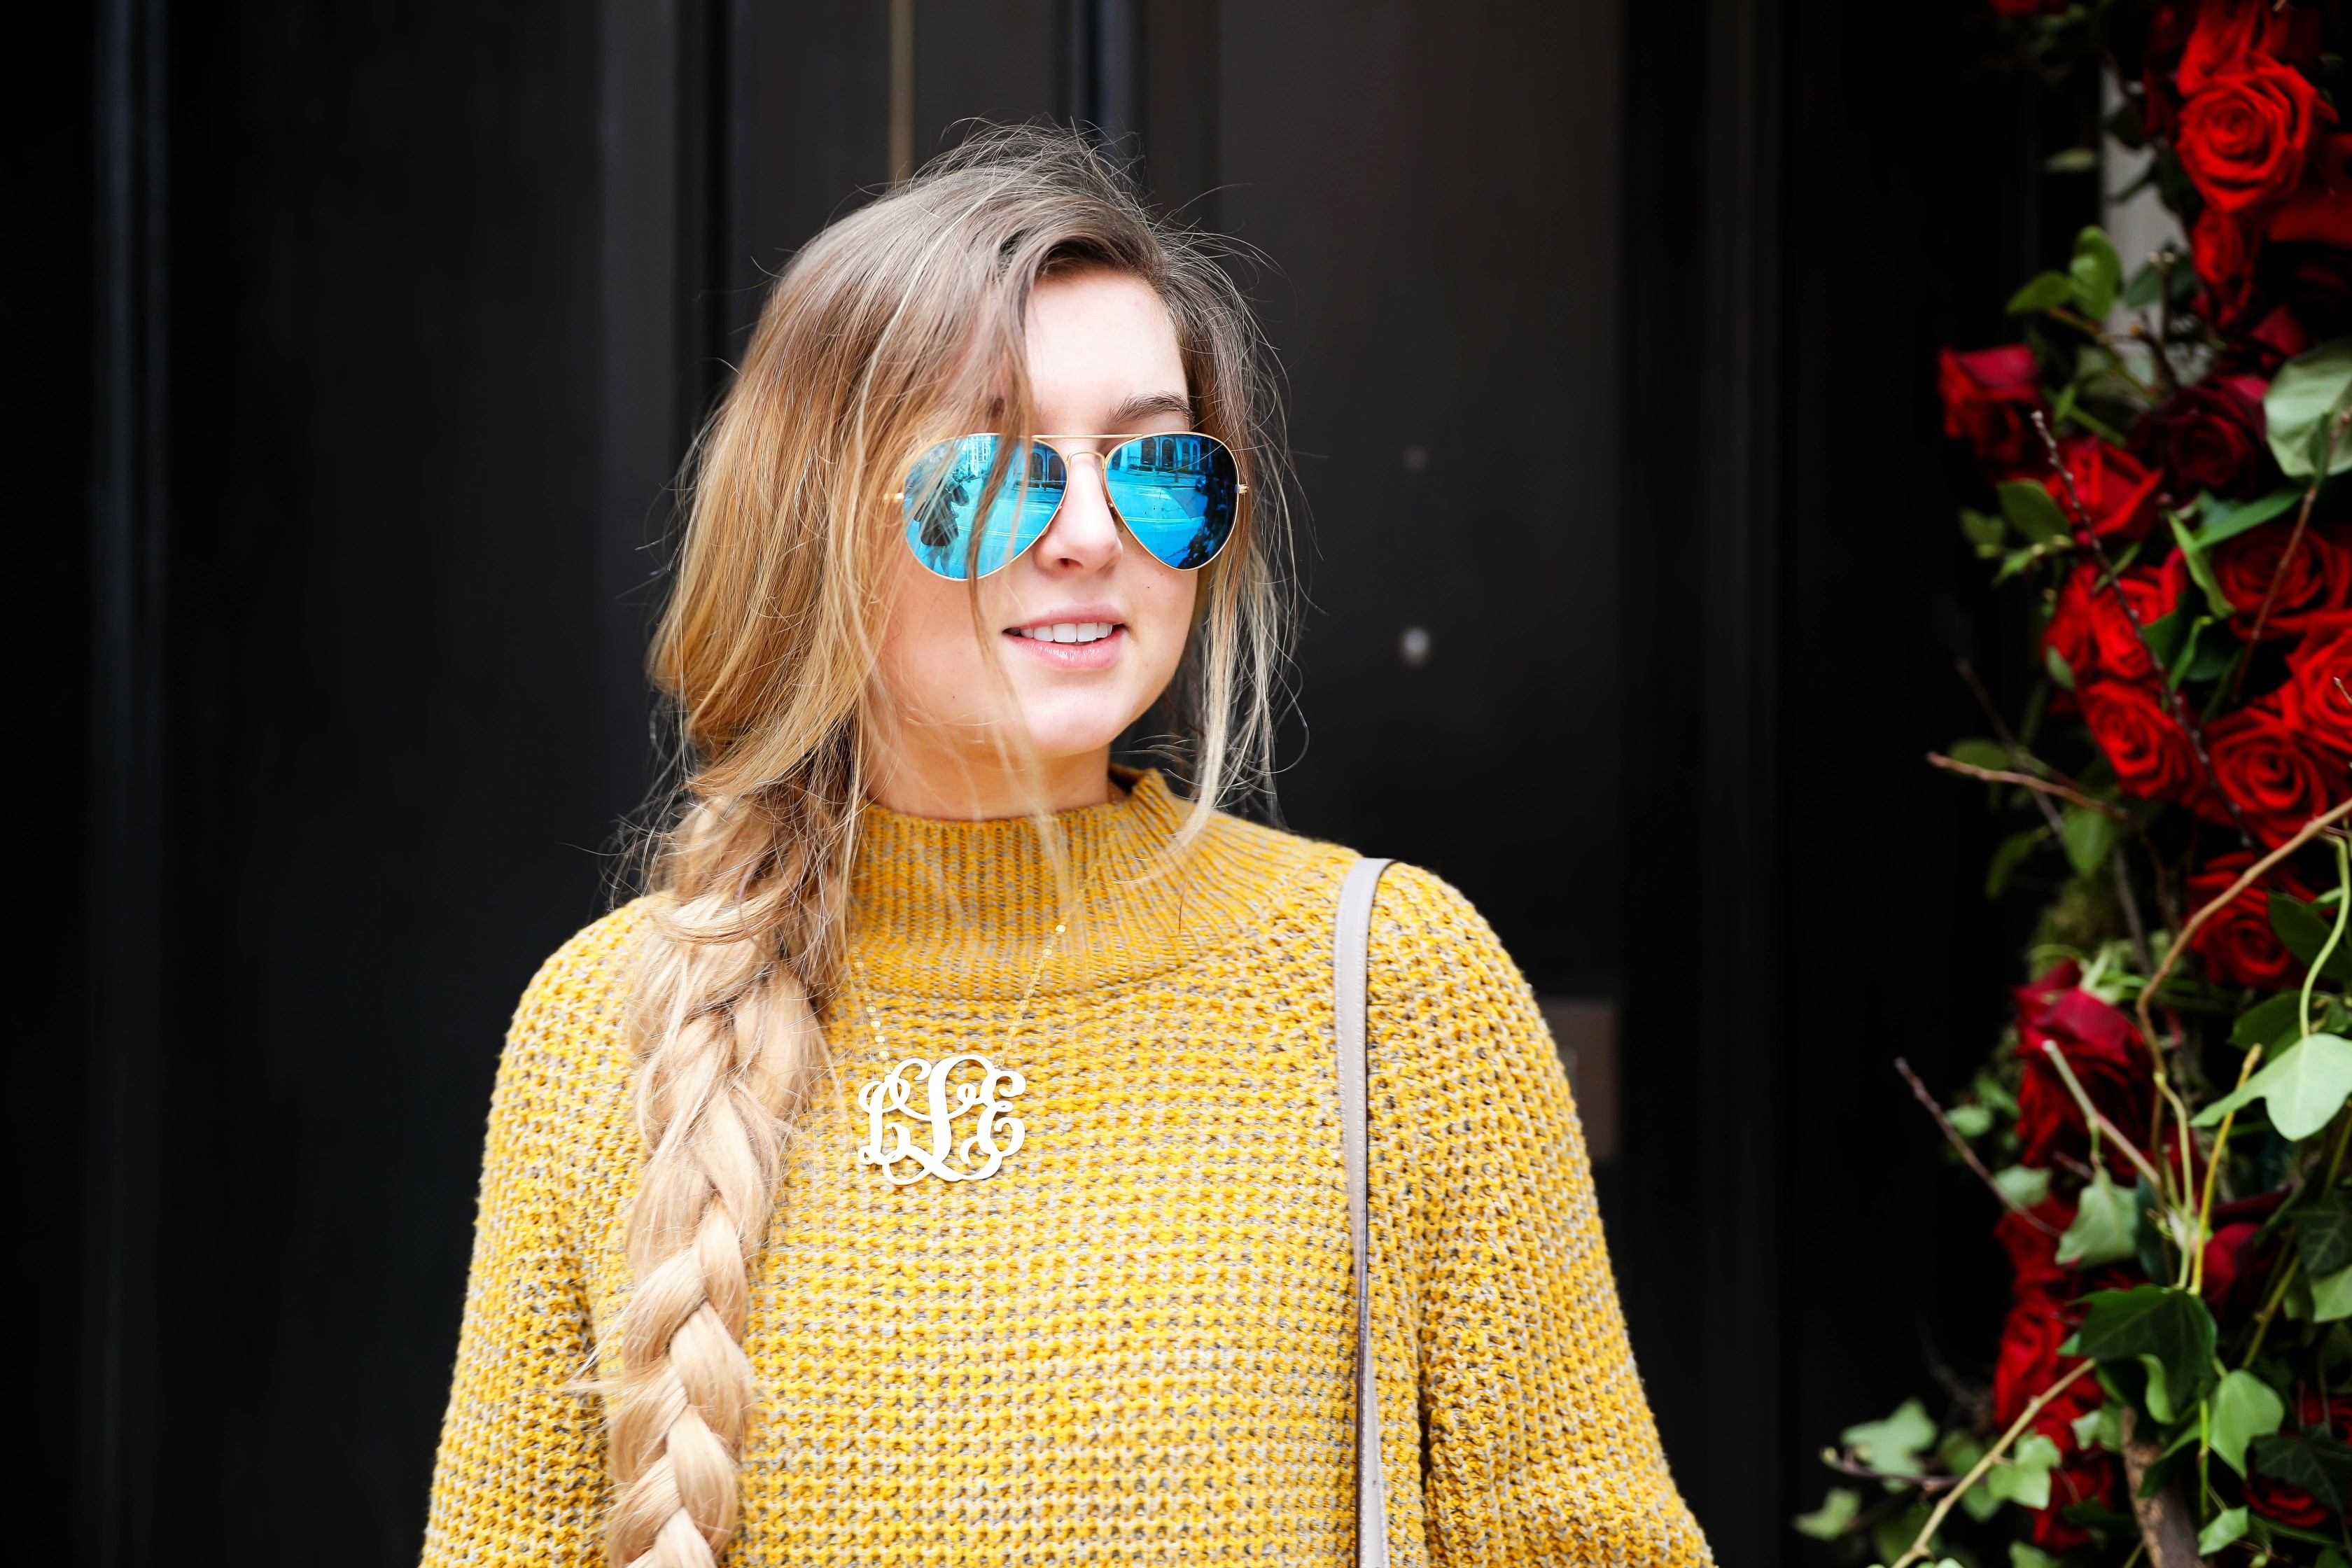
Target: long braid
[[728, 1043]]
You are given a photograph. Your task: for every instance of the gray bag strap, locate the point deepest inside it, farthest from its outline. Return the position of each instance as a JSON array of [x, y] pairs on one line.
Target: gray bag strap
[[1349, 961]]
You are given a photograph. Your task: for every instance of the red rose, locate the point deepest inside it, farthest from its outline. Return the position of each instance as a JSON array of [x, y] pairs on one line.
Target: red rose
[[2274, 1499], [2117, 492], [2210, 434], [2150, 752], [2090, 630], [2229, 34], [2223, 249], [2320, 212], [2310, 702], [2278, 780], [2091, 1475], [2277, 337], [2028, 1360], [1990, 398], [2238, 946], [2246, 134], [2102, 1049], [2034, 1251], [2232, 1267], [2317, 579]]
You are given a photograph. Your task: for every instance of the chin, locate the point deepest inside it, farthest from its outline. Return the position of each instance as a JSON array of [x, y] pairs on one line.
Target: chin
[[1055, 736]]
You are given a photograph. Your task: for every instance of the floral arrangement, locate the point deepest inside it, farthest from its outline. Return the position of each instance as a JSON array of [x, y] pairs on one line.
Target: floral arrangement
[[2164, 1125]]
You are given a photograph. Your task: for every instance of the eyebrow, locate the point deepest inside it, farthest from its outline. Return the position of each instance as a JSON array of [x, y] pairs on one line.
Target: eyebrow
[[1135, 410]]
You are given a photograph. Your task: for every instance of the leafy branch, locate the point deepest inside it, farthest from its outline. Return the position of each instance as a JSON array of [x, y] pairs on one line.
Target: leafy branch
[[1920, 1546]]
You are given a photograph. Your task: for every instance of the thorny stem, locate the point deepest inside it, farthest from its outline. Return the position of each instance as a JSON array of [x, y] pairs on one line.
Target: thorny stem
[[1977, 1472], [1919, 1092], [2181, 715], [2294, 543], [2097, 1121], [2252, 874], [2027, 780], [2165, 259], [2213, 1169], [2016, 748], [2328, 948], [2065, 789]]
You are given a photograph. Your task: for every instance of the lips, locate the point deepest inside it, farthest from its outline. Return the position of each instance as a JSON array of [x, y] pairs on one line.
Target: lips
[[1067, 631], [1082, 638]]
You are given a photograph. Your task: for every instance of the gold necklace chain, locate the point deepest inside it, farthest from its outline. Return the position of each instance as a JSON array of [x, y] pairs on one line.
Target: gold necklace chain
[[1036, 973]]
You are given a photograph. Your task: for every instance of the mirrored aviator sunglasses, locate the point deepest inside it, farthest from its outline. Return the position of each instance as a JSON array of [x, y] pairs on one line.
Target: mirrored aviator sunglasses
[[1178, 495]]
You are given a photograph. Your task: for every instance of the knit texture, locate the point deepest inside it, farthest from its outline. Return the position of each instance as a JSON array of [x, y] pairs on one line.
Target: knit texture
[[1134, 1343]]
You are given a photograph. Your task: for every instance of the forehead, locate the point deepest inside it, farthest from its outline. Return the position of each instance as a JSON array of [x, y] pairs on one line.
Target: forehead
[[1101, 334]]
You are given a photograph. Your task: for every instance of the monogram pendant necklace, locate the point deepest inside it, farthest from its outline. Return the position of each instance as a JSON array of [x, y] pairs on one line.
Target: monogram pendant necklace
[[913, 1110]]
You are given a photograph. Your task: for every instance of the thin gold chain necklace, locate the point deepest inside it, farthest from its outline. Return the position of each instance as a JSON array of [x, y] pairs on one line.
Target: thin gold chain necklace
[[913, 1110]]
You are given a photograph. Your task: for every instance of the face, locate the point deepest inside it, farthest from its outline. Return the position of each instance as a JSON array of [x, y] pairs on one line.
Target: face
[[1103, 361]]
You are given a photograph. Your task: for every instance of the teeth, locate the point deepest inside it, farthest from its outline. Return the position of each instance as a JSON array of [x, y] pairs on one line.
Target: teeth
[[1069, 631]]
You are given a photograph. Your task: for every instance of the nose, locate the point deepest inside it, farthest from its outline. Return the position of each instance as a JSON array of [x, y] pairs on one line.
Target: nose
[[1084, 536]]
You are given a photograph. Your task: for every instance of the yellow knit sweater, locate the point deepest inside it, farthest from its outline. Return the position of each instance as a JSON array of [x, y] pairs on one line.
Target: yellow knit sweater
[[1134, 1343]]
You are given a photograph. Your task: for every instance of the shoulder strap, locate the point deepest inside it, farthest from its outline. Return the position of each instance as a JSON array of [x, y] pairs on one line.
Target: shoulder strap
[[1349, 958]]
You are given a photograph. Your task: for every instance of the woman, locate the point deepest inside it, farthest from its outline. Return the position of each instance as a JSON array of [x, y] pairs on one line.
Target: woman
[[941, 1163]]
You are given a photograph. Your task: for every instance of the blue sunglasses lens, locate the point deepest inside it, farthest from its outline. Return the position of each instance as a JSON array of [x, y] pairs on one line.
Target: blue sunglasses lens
[[945, 491], [1176, 494]]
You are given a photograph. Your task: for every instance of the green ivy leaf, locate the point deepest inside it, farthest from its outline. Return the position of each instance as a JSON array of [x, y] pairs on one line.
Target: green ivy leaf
[[2304, 1089], [2331, 1296], [1893, 1446], [2025, 1479], [2243, 1407], [2031, 512], [2147, 285], [2025, 1554], [1980, 753], [2305, 397], [2047, 292], [2090, 836], [2229, 1526], [2025, 1185], [1830, 1520], [1983, 530], [2106, 1228], [2095, 273], [1970, 1121], [2303, 930], [2099, 1429], [2314, 1461], [2062, 674], [2269, 1024], [2323, 1234], [2171, 1326]]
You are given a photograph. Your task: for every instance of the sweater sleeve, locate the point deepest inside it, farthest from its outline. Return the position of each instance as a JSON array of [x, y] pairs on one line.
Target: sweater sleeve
[[520, 1474], [1540, 1444]]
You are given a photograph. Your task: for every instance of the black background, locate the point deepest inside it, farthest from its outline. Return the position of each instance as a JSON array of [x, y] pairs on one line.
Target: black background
[[348, 355]]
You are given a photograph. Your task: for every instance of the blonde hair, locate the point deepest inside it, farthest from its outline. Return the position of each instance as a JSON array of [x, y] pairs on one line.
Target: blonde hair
[[897, 327]]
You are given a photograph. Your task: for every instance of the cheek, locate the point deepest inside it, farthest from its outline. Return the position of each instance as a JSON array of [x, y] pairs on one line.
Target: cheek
[[930, 661], [1170, 598]]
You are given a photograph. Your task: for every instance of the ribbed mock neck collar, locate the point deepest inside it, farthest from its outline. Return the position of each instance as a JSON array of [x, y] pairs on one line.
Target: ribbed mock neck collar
[[966, 909]]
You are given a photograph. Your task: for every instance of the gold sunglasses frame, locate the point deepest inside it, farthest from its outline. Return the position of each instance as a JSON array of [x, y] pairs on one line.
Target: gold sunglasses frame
[[1240, 489]]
